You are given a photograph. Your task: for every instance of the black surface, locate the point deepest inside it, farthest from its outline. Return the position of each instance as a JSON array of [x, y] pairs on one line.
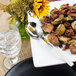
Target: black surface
[[26, 68]]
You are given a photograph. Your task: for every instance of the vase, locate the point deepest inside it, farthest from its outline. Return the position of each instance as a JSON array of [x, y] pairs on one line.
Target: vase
[[17, 25]]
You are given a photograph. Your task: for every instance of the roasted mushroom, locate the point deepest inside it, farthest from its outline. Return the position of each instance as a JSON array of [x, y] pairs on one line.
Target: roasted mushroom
[[74, 25], [73, 14], [60, 29], [64, 39], [64, 6], [55, 10], [45, 20], [66, 24], [64, 11], [73, 48], [47, 27], [61, 16], [53, 39], [69, 32], [55, 16], [72, 9], [55, 22]]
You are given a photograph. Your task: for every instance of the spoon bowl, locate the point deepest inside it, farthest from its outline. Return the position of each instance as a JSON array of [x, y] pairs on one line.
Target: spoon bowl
[[33, 30]]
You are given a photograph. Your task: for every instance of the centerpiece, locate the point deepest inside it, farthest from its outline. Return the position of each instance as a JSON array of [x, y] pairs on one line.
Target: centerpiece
[[18, 10]]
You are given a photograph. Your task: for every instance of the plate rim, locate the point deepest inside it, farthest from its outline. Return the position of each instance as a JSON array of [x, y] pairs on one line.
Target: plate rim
[[25, 60]]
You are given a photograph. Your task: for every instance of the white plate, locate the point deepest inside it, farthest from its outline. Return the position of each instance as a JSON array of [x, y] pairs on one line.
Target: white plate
[[43, 54]]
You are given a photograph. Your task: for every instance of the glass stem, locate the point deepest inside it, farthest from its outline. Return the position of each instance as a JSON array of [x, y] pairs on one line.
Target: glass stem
[[13, 60]]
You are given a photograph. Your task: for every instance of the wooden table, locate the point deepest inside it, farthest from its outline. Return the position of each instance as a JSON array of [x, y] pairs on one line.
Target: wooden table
[[26, 48]]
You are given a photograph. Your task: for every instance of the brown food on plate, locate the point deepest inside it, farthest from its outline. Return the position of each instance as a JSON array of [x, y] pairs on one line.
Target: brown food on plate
[[73, 14], [69, 32], [72, 9], [46, 20], [64, 48], [67, 24], [68, 13], [53, 39], [61, 25], [64, 6], [47, 27], [54, 22], [61, 16], [55, 10], [64, 11], [55, 16], [73, 48]]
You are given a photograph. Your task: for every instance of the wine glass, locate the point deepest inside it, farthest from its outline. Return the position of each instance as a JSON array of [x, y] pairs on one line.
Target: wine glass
[[10, 46]]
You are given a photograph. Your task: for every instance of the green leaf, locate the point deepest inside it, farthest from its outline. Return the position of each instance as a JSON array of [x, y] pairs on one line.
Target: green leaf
[[23, 32]]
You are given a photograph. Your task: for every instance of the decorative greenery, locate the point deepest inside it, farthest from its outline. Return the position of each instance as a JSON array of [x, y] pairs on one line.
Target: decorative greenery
[[18, 11]]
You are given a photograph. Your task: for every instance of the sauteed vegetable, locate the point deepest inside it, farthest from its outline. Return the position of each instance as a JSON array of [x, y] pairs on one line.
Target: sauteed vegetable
[[60, 26]]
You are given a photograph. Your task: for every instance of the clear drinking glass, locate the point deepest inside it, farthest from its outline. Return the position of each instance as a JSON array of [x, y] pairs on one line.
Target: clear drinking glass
[[10, 45]]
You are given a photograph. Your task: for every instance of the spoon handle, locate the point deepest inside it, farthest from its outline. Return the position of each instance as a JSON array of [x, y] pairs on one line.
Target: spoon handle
[[59, 52]]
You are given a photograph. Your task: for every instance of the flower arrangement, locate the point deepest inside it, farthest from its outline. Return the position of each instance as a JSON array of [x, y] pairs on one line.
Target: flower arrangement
[[18, 11]]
